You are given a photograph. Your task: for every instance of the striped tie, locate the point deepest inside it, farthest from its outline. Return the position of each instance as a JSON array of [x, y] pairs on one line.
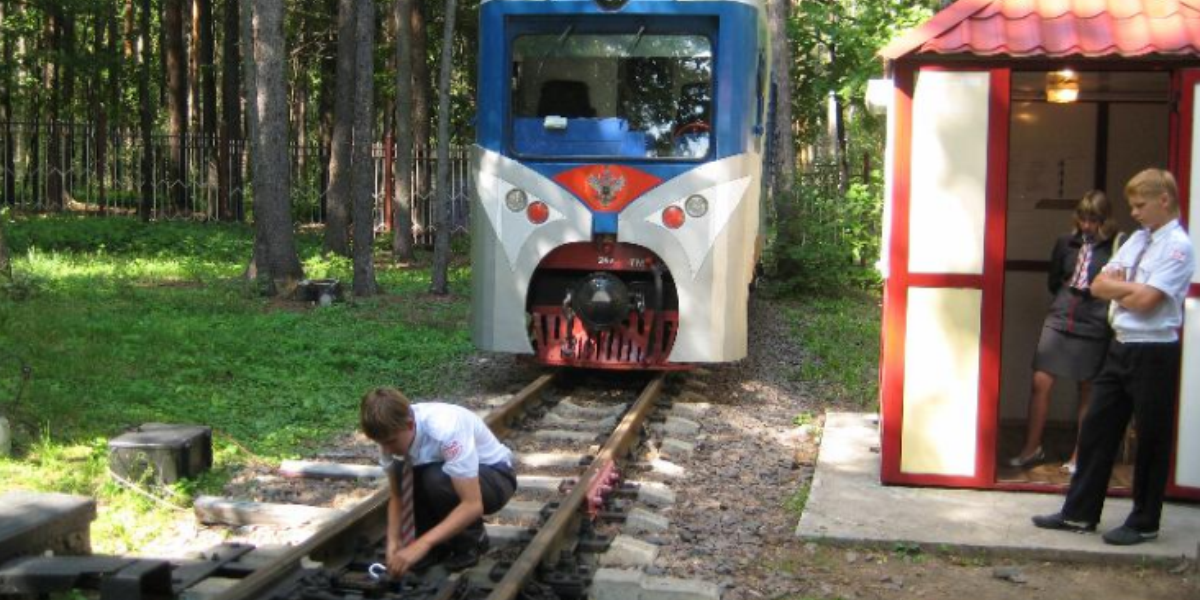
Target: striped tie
[[408, 528], [1079, 279]]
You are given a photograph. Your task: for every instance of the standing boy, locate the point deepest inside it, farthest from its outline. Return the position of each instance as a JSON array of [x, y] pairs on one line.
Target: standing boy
[[1148, 280], [446, 470]]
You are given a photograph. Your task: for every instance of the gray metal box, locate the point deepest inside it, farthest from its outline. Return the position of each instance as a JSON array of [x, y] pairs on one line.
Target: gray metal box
[[165, 453]]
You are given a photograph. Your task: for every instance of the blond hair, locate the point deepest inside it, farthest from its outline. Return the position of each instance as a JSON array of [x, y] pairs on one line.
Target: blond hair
[[1152, 183], [383, 412], [1094, 206]]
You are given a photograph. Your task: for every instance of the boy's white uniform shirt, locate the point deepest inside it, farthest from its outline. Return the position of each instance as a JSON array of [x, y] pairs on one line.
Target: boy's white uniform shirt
[[1166, 265], [452, 434]]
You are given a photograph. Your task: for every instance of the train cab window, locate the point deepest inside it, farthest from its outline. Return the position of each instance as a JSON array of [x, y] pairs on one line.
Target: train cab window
[[612, 95]]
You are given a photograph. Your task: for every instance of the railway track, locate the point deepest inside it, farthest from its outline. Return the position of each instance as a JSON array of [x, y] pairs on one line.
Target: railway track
[[542, 560]]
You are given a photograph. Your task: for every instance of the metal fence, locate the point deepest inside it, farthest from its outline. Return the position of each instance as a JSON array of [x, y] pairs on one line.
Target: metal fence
[[85, 168]]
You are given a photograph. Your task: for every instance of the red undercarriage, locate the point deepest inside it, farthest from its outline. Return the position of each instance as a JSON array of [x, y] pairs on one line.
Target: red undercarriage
[[626, 348]]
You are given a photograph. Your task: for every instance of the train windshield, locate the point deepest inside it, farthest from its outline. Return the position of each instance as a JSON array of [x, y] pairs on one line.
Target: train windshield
[[612, 95]]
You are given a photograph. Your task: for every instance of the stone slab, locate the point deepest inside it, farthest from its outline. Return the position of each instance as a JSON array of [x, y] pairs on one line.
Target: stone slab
[[640, 520], [616, 584], [230, 511], [32, 523], [567, 408], [538, 483], [628, 551], [677, 449], [563, 435], [670, 588], [542, 460], [679, 426], [655, 494], [521, 510], [847, 504], [329, 470]]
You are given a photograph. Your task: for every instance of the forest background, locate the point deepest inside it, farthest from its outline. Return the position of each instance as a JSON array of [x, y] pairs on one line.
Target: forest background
[[186, 77]]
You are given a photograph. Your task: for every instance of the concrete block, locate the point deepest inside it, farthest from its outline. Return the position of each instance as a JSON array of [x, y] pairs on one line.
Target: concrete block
[[230, 511], [538, 483], [561, 435], [32, 523], [616, 584], [664, 468], [209, 587], [679, 426], [506, 535], [329, 470], [498, 401], [542, 460], [596, 424], [692, 409], [521, 510], [640, 520], [669, 588], [569, 409], [627, 551], [655, 494], [677, 449]]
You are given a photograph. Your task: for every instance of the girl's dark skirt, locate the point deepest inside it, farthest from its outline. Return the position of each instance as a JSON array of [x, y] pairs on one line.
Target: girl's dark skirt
[[1066, 355]]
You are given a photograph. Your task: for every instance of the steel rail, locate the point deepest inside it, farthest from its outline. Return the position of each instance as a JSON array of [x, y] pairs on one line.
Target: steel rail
[[368, 515], [555, 529]]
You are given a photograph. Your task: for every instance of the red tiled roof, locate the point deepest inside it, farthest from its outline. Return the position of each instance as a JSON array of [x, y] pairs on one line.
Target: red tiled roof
[[1056, 28]]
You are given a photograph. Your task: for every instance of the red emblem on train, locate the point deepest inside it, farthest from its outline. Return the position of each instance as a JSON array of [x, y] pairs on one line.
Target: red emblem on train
[[607, 188], [605, 185]]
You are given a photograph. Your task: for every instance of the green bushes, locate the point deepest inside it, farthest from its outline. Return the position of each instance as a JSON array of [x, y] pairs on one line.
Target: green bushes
[[832, 241]]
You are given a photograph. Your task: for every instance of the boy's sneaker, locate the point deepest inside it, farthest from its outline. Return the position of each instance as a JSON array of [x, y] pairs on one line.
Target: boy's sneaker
[[467, 555], [1061, 523], [1128, 536]]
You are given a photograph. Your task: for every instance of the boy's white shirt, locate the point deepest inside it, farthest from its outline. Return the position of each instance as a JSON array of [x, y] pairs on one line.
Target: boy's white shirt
[[1167, 266], [452, 434]]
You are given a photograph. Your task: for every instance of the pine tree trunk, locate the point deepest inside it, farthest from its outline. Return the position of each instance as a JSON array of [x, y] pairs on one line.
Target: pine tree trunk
[[50, 70], [249, 87], [783, 167], [177, 100], [206, 74], [8, 193], [441, 245], [272, 205], [337, 202], [422, 96], [229, 172], [146, 114], [363, 166], [402, 238], [130, 31]]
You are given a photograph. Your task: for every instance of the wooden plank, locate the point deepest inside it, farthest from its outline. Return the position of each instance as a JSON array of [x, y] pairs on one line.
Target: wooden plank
[[213, 510], [328, 470]]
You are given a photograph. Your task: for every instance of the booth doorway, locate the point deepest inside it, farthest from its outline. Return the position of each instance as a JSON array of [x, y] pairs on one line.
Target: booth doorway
[[1058, 152]]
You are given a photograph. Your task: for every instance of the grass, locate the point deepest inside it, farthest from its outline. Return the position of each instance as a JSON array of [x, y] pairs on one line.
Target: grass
[[123, 323], [840, 337]]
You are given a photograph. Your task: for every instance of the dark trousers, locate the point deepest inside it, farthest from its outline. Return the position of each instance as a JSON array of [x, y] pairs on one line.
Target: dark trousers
[[434, 497], [1141, 380]]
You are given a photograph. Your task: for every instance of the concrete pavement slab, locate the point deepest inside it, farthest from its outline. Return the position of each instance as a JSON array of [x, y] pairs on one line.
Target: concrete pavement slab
[[848, 504]]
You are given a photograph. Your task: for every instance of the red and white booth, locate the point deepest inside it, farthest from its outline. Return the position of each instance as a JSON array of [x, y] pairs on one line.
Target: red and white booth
[[983, 175]]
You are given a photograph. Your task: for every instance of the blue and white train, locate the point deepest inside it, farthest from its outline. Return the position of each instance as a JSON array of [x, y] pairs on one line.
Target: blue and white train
[[618, 173]]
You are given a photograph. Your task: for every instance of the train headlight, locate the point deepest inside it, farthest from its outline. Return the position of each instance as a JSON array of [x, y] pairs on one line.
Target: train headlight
[[672, 217], [601, 300], [696, 206], [516, 200]]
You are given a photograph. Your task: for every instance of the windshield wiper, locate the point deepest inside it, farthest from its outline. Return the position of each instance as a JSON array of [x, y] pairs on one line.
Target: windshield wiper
[[637, 40]]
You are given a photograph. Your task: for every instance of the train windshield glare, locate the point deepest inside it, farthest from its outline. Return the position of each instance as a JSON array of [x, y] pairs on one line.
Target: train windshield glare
[[631, 95]]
